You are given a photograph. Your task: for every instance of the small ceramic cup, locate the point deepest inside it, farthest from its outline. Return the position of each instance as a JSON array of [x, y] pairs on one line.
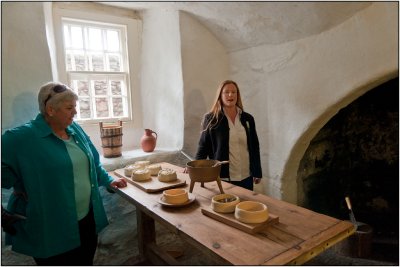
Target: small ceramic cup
[[175, 196], [251, 212], [224, 203]]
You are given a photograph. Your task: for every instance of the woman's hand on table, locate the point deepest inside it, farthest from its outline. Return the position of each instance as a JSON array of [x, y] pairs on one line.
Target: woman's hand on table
[[118, 183]]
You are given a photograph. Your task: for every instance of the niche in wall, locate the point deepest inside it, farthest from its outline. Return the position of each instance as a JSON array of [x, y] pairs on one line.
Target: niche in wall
[[357, 154]]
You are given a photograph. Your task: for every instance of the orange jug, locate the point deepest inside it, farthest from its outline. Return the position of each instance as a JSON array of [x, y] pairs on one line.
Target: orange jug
[[148, 140]]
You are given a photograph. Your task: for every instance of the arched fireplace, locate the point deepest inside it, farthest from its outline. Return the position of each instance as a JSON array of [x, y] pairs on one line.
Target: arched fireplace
[[356, 154]]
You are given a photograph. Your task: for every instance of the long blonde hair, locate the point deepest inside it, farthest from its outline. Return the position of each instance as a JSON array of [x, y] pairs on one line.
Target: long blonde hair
[[216, 109]]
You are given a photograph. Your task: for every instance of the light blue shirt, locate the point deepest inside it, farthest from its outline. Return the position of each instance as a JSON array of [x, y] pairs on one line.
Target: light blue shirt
[[35, 161], [80, 164]]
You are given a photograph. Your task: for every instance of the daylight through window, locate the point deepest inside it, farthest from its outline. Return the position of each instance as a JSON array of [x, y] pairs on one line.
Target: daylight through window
[[96, 66]]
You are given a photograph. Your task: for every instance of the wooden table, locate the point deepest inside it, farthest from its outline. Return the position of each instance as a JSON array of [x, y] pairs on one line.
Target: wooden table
[[300, 235]]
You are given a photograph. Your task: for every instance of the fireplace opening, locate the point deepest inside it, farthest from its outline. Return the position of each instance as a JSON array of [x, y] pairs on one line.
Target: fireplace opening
[[356, 154]]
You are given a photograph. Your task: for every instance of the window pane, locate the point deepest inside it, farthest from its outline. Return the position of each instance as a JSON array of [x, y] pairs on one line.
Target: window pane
[[118, 108], [100, 87], [94, 61], [84, 108], [83, 88], [116, 88], [95, 40], [97, 62], [76, 37], [114, 62], [80, 62], [112, 41], [102, 107], [68, 61]]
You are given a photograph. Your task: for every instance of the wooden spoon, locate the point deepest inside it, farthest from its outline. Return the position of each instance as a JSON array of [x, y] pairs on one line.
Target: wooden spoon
[[220, 163]]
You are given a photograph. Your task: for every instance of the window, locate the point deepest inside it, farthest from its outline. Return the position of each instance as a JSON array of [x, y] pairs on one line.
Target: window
[[95, 62], [93, 58]]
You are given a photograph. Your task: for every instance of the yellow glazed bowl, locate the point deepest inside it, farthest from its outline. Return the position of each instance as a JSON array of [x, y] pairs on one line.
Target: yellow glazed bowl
[[224, 203], [251, 212], [175, 196]]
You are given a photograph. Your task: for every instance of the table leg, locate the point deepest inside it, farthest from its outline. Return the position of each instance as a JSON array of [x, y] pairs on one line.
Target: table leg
[[148, 249], [146, 232]]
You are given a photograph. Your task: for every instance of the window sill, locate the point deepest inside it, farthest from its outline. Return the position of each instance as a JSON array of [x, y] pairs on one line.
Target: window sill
[[129, 157]]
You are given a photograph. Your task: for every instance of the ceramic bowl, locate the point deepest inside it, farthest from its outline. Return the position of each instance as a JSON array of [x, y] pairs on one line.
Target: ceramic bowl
[[131, 168], [251, 212], [202, 170], [175, 196], [141, 175], [154, 169], [142, 163], [224, 203]]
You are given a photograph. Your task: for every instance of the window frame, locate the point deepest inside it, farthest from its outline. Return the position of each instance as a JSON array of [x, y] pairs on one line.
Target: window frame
[[132, 27]]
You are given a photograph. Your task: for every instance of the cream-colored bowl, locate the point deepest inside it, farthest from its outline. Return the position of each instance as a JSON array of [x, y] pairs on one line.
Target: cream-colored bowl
[[131, 168], [167, 175], [251, 212], [142, 163], [224, 203], [154, 169], [175, 196], [141, 175]]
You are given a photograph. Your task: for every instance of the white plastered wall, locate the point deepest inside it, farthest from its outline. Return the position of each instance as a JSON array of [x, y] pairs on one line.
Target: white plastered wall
[[161, 77], [159, 104], [22, 74], [204, 65], [294, 88]]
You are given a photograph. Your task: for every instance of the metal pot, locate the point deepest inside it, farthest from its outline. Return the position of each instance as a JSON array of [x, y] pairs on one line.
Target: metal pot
[[203, 170]]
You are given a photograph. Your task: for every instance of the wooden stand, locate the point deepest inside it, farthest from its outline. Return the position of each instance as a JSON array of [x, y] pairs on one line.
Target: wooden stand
[[218, 180]]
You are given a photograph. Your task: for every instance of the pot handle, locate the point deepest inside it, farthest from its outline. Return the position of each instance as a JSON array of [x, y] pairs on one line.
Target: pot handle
[[153, 132]]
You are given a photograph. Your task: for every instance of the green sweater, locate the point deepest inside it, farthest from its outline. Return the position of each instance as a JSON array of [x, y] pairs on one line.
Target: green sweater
[[37, 162]]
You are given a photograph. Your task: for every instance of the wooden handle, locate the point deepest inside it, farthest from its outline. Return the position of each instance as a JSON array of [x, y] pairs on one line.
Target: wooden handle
[[348, 202]]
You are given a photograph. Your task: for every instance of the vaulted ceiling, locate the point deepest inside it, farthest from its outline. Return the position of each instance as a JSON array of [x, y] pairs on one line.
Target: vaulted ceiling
[[240, 25]]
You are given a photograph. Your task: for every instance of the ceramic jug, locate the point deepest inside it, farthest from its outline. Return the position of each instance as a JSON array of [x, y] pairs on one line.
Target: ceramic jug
[[148, 140]]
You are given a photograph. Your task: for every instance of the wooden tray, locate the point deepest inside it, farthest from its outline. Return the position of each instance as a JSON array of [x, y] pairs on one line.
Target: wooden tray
[[153, 185], [229, 219]]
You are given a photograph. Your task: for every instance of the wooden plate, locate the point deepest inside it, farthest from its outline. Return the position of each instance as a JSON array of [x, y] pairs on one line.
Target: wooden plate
[[191, 196]]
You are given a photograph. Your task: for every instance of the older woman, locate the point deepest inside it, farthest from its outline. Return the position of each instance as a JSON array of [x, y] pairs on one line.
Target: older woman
[[229, 133], [56, 208]]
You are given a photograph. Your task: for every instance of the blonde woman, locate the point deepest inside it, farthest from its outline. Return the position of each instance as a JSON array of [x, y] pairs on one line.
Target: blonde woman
[[229, 133]]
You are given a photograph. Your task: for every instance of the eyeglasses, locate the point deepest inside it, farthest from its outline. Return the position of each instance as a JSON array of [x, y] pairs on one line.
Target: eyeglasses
[[56, 89]]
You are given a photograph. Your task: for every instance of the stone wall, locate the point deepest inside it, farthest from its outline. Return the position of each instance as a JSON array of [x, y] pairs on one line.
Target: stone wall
[[356, 154]]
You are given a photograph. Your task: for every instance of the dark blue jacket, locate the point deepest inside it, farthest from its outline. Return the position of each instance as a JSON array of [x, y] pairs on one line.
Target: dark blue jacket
[[214, 143]]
